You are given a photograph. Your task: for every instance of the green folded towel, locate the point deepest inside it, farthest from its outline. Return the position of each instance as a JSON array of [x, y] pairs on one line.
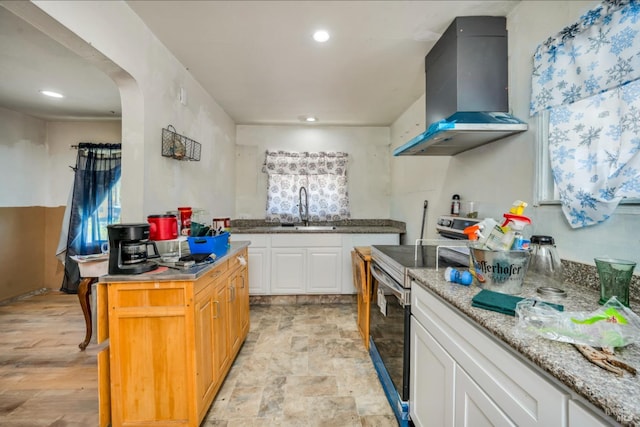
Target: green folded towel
[[502, 303]]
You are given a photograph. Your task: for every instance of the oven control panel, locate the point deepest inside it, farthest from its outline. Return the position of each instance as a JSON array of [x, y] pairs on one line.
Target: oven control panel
[[453, 226]]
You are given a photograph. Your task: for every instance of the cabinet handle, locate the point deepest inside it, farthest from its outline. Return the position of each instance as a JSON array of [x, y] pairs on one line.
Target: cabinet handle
[[217, 315], [242, 281], [233, 294]]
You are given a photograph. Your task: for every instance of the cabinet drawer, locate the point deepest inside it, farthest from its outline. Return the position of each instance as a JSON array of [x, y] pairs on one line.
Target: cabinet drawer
[[236, 261], [211, 275], [305, 240]]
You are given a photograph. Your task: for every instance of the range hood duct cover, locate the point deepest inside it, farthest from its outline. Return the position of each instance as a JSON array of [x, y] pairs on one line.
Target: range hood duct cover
[[466, 89]]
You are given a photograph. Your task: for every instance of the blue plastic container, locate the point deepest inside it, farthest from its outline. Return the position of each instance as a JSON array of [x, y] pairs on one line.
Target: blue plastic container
[[218, 245]]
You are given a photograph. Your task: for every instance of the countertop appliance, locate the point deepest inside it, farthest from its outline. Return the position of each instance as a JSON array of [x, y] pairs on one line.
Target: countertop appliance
[[466, 89], [390, 306], [130, 249]]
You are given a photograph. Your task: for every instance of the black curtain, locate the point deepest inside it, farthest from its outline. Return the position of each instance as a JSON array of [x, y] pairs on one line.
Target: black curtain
[[97, 170]]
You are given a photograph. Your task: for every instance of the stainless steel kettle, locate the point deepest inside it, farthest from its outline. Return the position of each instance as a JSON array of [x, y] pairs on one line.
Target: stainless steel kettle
[[545, 267]]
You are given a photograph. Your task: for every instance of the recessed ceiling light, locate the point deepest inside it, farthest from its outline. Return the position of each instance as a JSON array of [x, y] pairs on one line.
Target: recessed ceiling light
[[52, 94], [308, 119], [321, 36]]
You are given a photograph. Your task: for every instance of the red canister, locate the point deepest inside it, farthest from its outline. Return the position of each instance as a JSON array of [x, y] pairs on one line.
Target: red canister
[[221, 223], [162, 227], [185, 220]]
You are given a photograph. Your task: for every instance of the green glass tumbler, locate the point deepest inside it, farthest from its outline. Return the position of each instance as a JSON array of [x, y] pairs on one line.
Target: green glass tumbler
[[615, 277]]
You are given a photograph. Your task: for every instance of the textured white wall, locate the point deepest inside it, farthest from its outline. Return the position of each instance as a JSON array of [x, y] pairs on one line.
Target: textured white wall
[[149, 80], [35, 156], [23, 155], [496, 174], [368, 173]]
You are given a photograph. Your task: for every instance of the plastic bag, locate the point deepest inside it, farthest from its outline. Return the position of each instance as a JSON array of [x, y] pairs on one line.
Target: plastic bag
[[612, 325]]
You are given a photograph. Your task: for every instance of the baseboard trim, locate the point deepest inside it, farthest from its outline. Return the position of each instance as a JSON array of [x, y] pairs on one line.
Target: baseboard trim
[[301, 299], [25, 296]]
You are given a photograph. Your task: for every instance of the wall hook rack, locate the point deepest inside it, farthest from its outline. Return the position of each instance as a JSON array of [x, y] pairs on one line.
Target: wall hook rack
[[178, 146]]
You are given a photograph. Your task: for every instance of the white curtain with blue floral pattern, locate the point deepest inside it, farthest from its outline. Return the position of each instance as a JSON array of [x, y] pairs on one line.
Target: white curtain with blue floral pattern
[[587, 76]]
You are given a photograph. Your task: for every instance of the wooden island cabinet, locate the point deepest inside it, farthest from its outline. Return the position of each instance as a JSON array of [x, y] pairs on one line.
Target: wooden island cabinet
[[172, 338]]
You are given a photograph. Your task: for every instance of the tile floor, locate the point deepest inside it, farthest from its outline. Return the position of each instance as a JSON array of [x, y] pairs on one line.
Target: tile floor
[[302, 365]]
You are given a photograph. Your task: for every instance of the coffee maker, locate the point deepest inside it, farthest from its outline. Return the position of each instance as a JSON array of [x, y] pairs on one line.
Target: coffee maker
[[130, 249]]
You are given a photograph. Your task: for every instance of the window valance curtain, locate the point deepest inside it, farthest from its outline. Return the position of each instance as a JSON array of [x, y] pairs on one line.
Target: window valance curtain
[[324, 176], [587, 77], [306, 163]]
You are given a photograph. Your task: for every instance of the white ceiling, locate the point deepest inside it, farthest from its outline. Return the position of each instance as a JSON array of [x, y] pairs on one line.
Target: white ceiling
[[32, 61], [256, 58]]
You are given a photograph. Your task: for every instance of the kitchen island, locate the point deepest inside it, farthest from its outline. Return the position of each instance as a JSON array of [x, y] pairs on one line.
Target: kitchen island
[[169, 338], [579, 392]]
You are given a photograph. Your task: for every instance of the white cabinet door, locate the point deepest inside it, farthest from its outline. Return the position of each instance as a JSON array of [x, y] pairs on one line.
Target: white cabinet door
[[432, 379], [288, 270], [473, 407], [579, 416], [324, 270], [259, 262], [258, 271]]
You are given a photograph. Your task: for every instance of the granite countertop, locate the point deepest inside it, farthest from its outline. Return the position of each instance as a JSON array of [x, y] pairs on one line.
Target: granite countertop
[[350, 226], [615, 396], [164, 274]]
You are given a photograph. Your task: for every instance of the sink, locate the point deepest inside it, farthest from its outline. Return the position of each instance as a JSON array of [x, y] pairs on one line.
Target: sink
[[315, 227]]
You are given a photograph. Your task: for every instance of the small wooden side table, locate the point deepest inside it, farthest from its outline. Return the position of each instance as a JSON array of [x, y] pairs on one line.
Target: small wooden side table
[[361, 258], [91, 268], [84, 295]]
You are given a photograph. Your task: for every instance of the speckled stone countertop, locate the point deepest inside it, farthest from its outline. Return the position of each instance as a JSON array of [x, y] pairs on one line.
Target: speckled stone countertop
[[617, 397], [354, 226], [164, 274]]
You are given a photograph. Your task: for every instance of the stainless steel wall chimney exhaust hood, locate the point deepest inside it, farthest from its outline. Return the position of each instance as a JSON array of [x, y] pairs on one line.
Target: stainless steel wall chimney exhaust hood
[[466, 89]]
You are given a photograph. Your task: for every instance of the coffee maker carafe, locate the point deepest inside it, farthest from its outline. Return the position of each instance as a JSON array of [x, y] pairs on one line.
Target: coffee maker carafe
[[130, 249]]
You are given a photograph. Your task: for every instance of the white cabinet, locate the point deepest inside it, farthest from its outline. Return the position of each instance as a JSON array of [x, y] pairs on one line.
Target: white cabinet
[[305, 263], [473, 407], [288, 270], [259, 260], [579, 416], [490, 384], [324, 268], [432, 378]]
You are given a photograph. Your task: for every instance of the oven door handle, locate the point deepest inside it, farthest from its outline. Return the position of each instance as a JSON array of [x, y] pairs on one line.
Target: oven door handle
[[385, 280]]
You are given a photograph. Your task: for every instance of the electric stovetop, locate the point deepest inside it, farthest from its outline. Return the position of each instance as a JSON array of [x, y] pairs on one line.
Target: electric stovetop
[[405, 255]]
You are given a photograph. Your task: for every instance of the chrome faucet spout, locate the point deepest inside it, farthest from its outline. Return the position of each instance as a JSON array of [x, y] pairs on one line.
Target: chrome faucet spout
[[303, 206]]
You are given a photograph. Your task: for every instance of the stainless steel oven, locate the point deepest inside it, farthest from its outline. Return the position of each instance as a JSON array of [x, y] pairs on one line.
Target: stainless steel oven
[[390, 307], [389, 320]]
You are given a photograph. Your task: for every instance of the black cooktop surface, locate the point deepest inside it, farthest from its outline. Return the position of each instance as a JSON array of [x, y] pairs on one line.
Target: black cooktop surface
[[405, 255]]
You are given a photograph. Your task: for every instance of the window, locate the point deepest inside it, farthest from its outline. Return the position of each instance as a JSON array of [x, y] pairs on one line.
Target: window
[[322, 174], [107, 213]]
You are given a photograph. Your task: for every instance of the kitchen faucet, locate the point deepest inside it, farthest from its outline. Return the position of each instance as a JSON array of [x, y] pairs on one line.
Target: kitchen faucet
[[304, 218]]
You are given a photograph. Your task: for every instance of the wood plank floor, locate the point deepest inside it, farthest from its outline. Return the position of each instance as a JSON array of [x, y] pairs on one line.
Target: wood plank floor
[[45, 380]]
